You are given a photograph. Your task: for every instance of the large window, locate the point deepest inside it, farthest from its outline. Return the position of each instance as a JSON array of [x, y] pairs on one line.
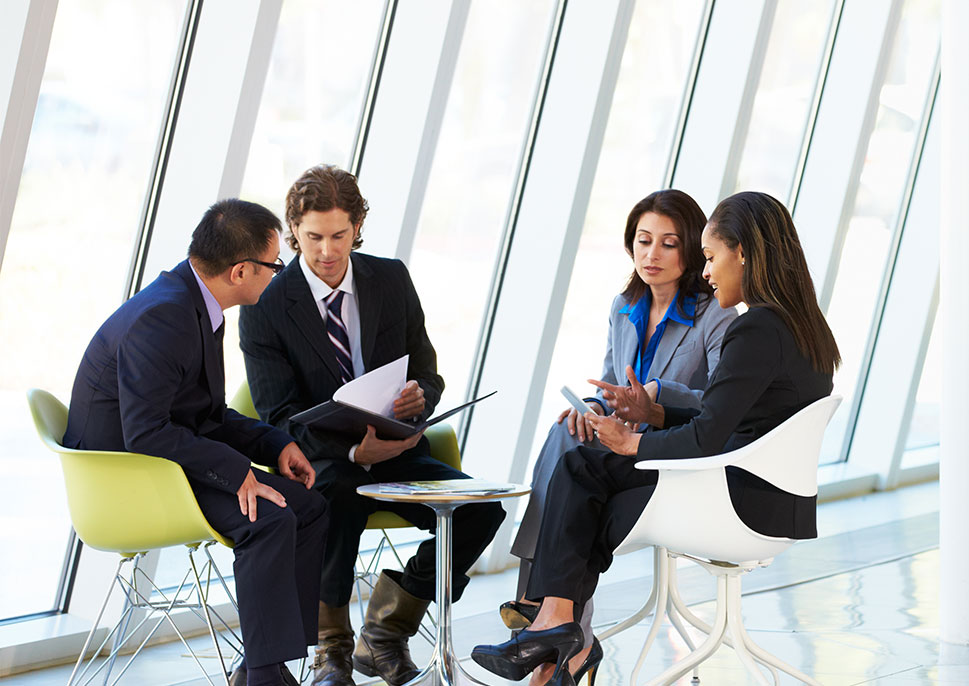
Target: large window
[[85, 175], [309, 114], [639, 136], [871, 229], [784, 97], [922, 440], [473, 177]]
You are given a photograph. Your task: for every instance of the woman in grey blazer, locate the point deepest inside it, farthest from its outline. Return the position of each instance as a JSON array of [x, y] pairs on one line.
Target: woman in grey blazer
[[661, 332]]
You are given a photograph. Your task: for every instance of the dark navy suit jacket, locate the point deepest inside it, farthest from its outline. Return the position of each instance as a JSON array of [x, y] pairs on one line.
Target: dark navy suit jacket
[[152, 381], [290, 361]]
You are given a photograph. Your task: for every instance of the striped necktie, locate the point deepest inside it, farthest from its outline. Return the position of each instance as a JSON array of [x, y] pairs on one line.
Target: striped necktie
[[337, 331]]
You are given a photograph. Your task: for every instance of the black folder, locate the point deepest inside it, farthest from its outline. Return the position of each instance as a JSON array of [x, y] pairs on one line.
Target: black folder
[[336, 416]]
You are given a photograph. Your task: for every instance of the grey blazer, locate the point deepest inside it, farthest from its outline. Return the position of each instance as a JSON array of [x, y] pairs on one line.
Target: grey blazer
[[686, 353]]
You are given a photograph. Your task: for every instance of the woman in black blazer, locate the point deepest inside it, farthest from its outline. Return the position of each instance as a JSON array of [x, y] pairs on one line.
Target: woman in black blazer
[[776, 359]]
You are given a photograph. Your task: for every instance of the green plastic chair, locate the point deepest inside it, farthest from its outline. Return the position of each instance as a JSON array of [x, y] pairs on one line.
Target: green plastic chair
[[444, 447], [128, 503]]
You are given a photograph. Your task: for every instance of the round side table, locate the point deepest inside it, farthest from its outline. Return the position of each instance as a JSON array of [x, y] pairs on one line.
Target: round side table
[[443, 668]]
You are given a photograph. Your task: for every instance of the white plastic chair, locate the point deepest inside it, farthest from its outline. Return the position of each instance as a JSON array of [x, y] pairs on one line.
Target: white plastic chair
[[716, 538]]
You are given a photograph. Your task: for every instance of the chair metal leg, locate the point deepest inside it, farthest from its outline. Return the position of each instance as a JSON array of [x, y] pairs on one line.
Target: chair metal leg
[[204, 602], [97, 622], [735, 622], [706, 649], [728, 628], [772, 661], [646, 609], [681, 608], [661, 587], [188, 595]]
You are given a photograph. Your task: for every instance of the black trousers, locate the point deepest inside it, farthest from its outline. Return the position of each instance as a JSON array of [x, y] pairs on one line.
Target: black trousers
[[277, 565], [473, 528], [595, 498]]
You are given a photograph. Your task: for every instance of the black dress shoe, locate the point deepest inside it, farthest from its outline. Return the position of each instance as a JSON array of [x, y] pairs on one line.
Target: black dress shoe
[[518, 615], [516, 658], [591, 663]]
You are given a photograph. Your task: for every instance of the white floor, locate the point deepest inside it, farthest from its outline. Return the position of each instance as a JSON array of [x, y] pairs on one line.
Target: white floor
[[857, 606]]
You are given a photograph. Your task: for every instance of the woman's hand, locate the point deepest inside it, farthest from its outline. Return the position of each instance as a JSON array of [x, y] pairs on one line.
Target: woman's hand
[[577, 424], [614, 434], [634, 403]]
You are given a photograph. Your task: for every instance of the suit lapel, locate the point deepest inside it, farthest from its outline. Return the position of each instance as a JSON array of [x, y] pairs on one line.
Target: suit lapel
[[368, 303], [667, 346], [305, 314], [211, 357], [627, 349]]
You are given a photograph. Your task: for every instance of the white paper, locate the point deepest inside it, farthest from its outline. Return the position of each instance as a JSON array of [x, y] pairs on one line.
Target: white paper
[[376, 390]]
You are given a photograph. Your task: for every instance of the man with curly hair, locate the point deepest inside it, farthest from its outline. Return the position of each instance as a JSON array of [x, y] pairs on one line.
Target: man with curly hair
[[332, 315]]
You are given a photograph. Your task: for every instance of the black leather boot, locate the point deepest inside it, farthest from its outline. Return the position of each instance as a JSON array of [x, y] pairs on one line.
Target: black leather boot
[[332, 665], [393, 616]]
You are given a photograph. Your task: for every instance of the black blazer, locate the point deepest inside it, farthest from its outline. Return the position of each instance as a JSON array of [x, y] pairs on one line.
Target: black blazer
[[152, 381], [762, 379], [290, 361]]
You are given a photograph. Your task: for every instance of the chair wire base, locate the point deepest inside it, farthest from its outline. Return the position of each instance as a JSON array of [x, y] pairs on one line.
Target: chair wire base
[[727, 628], [665, 594], [141, 593]]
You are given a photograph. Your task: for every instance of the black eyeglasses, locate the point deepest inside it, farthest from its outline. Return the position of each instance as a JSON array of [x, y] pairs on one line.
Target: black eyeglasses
[[276, 266]]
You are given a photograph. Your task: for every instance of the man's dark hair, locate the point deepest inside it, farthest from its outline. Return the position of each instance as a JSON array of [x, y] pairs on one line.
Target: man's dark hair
[[231, 231], [323, 188]]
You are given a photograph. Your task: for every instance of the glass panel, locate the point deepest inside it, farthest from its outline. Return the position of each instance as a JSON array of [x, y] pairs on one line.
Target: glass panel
[[635, 153], [922, 442], [318, 76], [85, 175], [784, 95], [872, 226], [472, 177]]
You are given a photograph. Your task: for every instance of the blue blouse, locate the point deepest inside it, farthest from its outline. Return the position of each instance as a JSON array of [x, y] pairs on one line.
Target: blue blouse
[[639, 317]]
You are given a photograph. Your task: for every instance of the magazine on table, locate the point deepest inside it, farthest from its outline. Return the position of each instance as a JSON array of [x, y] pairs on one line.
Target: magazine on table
[[447, 487]]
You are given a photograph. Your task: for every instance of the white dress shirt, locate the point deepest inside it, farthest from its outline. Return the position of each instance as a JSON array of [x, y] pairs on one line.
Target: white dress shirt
[[349, 311]]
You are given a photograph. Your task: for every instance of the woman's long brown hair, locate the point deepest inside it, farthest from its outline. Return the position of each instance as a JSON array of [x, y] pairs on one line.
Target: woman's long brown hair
[[775, 272]]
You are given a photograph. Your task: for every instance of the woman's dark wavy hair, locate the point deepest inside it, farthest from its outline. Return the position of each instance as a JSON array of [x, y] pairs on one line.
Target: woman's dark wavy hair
[[775, 272], [320, 189], [689, 221]]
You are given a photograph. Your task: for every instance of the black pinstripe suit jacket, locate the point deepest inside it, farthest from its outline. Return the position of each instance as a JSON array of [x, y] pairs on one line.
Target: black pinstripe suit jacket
[[290, 361]]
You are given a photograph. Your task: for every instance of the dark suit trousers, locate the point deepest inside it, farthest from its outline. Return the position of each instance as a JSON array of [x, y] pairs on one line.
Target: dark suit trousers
[[474, 525], [595, 498], [277, 565]]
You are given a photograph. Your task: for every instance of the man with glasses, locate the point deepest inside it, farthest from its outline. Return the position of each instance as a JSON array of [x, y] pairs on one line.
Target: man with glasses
[[332, 315], [153, 381]]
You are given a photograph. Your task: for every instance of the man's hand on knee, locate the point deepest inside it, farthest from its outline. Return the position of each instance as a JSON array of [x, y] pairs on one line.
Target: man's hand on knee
[[250, 490]]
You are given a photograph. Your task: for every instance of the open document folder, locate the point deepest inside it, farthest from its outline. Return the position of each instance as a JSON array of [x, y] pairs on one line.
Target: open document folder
[[369, 400]]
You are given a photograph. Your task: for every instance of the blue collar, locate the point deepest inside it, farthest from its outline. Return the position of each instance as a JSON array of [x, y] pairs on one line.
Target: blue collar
[[639, 313]]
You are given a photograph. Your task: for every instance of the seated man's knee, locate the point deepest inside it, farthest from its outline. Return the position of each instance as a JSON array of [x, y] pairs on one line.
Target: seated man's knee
[[486, 517]]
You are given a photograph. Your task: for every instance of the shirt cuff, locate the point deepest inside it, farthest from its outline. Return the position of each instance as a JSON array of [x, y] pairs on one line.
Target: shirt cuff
[[597, 402], [659, 388], [353, 452]]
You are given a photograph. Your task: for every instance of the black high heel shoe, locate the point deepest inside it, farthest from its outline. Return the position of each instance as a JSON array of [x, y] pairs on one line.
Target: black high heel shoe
[[518, 615], [591, 664], [516, 658]]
